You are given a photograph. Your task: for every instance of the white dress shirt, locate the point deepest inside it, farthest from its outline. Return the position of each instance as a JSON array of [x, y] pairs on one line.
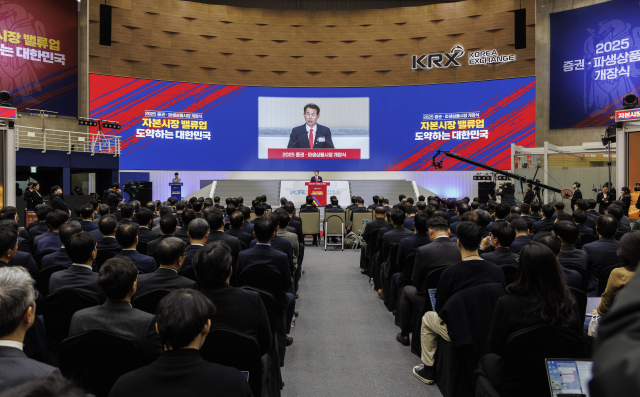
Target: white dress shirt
[[12, 343]]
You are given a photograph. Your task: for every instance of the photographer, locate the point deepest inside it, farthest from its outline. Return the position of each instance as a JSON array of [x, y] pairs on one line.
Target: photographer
[[507, 191], [113, 197], [604, 198]]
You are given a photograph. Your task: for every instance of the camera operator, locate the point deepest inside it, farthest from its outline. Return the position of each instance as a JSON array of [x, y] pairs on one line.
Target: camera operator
[[626, 199], [112, 197], [507, 191], [577, 194], [604, 198]]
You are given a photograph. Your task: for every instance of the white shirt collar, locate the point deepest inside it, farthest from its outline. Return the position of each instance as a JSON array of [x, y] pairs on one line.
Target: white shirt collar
[[11, 343], [108, 236], [442, 237], [263, 244], [197, 244], [83, 265], [315, 130]]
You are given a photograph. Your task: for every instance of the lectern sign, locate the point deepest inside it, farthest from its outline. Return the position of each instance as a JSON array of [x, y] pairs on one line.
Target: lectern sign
[[318, 190]]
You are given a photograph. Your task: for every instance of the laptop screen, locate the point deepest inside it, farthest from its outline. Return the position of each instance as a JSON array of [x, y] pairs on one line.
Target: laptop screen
[[569, 376], [432, 296]]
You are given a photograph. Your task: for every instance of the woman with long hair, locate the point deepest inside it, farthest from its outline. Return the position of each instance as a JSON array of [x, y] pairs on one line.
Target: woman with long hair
[[626, 199], [539, 295]]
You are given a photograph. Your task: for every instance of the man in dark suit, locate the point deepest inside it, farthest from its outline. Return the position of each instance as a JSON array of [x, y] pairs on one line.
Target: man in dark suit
[[604, 198], [410, 212], [311, 134], [522, 235], [592, 209], [41, 227], [294, 221], [118, 280], [108, 227], [602, 252], [359, 208], [145, 219], [128, 212], [61, 257], [278, 243], [439, 252], [259, 211], [263, 254], [500, 212], [236, 308], [247, 225], [198, 234], [392, 238], [108, 231], [237, 220], [9, 253], [311, 207], [568, 233], [55, 219], [216, 233], [454, 221], [375, 203], [168, 227], [127, 237], [502, 236], [18, 293], [546, 224], [571, 277], [178, 316], [558, 208], [583, 205], [617, 213], [316, 177], [525, 212], [87, 218], [216, 203], [81, 249], [535, 211], [580, 218], [334, 207], [186, 217], [451, 212], [113, 197], [171, 254]]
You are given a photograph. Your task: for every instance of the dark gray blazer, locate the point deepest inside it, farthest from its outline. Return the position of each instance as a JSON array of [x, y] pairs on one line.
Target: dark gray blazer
[[501, 256], [121, 318], [441, 251], [162, 278], [77, 277], [18, 369], [570, 255]]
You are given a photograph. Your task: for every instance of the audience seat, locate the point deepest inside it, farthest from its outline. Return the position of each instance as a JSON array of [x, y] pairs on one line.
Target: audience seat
[[102, 257], [142, 247], [42, 281], [310, 223], [97, 358], [588, 238], [149, 301], [431, 282], [358, 217], [407, 268], [387, 271], [334, 227], [524, 371], [603, 277], [584, 275], [38, 257]]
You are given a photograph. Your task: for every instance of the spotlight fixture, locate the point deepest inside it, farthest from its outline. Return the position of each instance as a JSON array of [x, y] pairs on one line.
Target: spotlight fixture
[[6, 99], [630, 101], [502, 178], [87, 121], [610, 133], [111, 124]]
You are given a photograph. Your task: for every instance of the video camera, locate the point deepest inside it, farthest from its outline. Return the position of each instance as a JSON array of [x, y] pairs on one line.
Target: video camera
[[132, 188]]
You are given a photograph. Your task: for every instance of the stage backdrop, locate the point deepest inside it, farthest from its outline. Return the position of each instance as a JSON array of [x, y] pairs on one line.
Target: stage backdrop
[[187, 126], [39, 54], [595, 62]]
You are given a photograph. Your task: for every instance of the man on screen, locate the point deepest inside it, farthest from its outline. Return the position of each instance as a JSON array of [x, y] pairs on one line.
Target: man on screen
[[311, 134], [317, 177]]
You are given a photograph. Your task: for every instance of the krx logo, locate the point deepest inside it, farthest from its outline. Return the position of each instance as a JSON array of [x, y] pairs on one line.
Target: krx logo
[[441, 60]]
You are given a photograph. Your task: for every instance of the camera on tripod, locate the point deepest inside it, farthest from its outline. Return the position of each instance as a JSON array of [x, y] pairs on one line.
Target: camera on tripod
[[132, 188]]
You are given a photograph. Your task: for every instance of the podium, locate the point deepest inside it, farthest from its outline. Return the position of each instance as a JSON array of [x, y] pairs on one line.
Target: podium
[[318, 190], [176, 190]]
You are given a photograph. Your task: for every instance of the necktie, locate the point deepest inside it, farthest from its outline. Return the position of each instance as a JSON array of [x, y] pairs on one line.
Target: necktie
[[311, 138]]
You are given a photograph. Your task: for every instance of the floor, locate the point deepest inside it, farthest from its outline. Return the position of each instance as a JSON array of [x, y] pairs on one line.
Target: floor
[[344, 340]]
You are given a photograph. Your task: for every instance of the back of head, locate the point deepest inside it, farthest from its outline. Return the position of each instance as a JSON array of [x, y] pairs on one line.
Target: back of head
[[563, 216], [216, 200], [628, 250], [559, 206], [144, 216], [231, 208], [246, 213], [151, 206], [57, 218], [107, 224], [410, 209], [519, 225], [469, 217], [469, 235], [484, 218], [524, 209], [86, 211], [181, 316], [463, 208], [550, 240], [579, 216], [583, 205], [16, 295], [8, 239], [236, 219], [187, 217], [410, 200], [535, 207], [615, 211], [198, 229], [117, 276], [264, 228], [421, 197], [42, 210], [212, 264], [309, 200], [397, 217], [547, 210], [437, 225], [567, 231], [168, 224], [126, 235], [516, 210], [592, 204], [283, 200], [607, 225], [215, 219], [501, 211], [104, 209], [259, 209], [80, 246], [504, 232], [420, 222], [451, 204], [136, 205], [164, 211], [197, 206], [283, 219], [69, 229], [180, 206], [475, 205], [170, 250], [401, 197], [511, 217], [421, 205], [439, 213], [127, 211]]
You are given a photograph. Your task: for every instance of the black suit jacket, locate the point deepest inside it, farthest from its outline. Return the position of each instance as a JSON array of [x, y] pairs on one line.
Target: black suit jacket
[[60, 257], [77, 277], [122, 319], [88, 226], [490, 226], [544, 225], [128, 222], [501, 256], [162, 278], [145, 234], [441, 251], [297, 226], [408, 223], [181, 233], [240, 310], [409, 245], [600, 200], [38, 229], [152, 246], [25, 260], [244, 237], [182, 372], [518, 244], [393, 237], [280, 244], [143, 262], [109, 243], [601, 253], [376, 224], [266, 255], [189, 253], [309, 208], [231, 241], [247, 227], [313, 179], [622, 229], [530, 221], [18, 369], [381, 232], [584, 229]]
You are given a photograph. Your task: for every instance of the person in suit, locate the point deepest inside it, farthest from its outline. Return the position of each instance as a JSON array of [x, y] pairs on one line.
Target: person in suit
[[572, 277], [183, 322], [375, 203], [263, 254], [316, 177], [238, 309], [311, 134], [19, 258], [583, 205], [471, 271], [579, 217], [127, 211], [164, 211], [247, 225], [278, 243], [282, 233], [334, 207], [145, 219], [118, 212], [500, 212], [216, 227], [393, 237], [18, 300], [216, 203], [82, 251], [127, 237], [40, 225], [625, 198], [604, 199], [378, 224], [592, 209], [263, 200], [534, 213], [522, 235], [86, 214], [502, 236], [577, 194], [546, 224], [176, 179], [294, 221], [56, 200], [168, 227], [410, 213], [568, 234], [55, 219], [198, 234], [186, 217], [603, 251], [179, 207], [171, 254], [529, 195], [618, 213], [112, 197], [525, 213], [259, 211], [559, 209], [454, 221], [311, 206], [103, 210], [450, 212], [237, 220], [359, 207], [61, 257], [108, 229], [118, 279]]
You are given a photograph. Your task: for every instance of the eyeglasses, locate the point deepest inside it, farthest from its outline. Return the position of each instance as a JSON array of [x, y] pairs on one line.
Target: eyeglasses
[[36, 294]]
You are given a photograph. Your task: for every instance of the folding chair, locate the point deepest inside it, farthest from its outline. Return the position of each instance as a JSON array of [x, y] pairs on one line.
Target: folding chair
[[310, 223], [334, 227]]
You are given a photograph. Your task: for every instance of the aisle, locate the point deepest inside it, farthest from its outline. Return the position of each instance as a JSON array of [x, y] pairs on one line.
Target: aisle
[[344, 342]]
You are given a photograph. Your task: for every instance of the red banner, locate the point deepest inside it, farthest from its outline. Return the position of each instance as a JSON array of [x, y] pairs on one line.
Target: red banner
[[316, 154]]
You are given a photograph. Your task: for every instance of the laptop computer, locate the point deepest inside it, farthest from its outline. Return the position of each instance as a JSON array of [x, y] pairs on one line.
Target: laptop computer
[[432, 297], [569, 377]]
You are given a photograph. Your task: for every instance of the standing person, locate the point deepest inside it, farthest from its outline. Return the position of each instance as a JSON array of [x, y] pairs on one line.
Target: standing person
[[176, 179], [27, 196], [577, 194], [57, 200], [626, 199], [316, 177], [311, 134], [604, 198], [529, 195], [112, 197], [508, 194]]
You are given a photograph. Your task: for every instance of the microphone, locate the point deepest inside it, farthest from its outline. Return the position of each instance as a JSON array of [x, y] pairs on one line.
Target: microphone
[[298, 140]]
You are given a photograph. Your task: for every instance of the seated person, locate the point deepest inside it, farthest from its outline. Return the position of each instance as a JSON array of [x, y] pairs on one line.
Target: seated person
[[198, 234], [128, 212], [164, 211], [567, 232], [17, 315], [546, 224], [118, 280], [55, 219], [183, 231], [334, 206], [309, 207], [183, 322], [87, 215], [502, 236], [410, 213], [171, 257], [579, 217], [572, 277], [108, 226], [471, 271], [127, 236], [522, 235], [538, 296], [618, 213], [145, 219], [602, 252], [629, 252], [236, 308], [168, 226], [558, 208], [42, 210], [235, 229], [259, 211], [9, 254], [82, 251], [61, 257], [247, 226], [359, 207]]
